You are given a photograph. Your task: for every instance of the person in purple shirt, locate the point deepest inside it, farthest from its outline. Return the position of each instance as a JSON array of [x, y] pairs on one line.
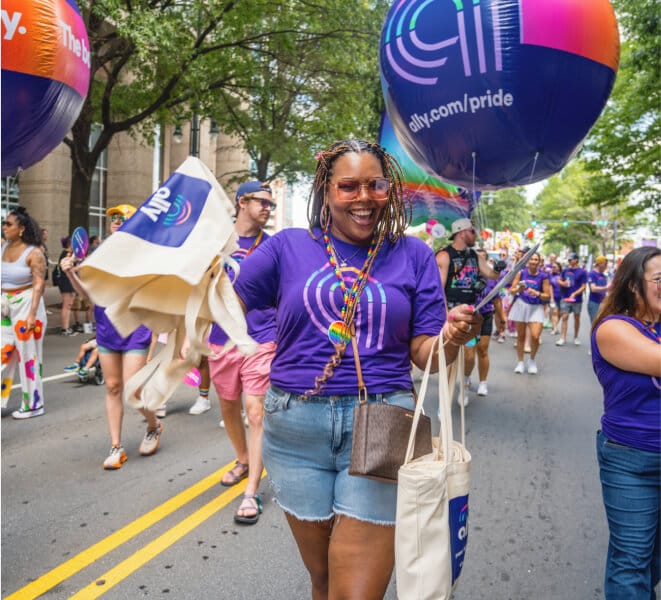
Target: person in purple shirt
[[352, 278], [121, 357], [598, 286], [530, 290], [572, 285], [626, 357], [554, 305], [232, 373]]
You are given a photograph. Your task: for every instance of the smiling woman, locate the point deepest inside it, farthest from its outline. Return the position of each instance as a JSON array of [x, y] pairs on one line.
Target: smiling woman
[[351, 284]]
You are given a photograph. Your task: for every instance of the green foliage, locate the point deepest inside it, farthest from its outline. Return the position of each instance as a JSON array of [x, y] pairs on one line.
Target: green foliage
[[503, 209], [623, 147], [284, 76]]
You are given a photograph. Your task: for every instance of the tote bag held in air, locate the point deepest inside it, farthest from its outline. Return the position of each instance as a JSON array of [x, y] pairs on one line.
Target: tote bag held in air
[[432, 504]]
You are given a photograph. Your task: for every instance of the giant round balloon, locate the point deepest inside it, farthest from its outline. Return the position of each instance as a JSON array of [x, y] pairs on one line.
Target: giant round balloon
[[45, 77], [489, 94]]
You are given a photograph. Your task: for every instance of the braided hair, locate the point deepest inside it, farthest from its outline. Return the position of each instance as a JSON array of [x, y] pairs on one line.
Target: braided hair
[[31, 231], [392, 223], [397, 213]]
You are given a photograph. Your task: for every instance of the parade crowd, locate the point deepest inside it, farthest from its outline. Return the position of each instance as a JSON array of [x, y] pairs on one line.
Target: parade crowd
[[351, 306]]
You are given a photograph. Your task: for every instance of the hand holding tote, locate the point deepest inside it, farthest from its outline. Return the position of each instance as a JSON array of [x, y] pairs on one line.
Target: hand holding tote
[[432, 502], [164, 268]]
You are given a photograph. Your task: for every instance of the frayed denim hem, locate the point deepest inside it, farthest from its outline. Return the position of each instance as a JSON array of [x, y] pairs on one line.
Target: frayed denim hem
[[370, 521], [302, 518]]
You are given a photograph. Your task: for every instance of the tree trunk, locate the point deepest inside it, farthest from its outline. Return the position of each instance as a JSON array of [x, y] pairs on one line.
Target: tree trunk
[[79, 199]]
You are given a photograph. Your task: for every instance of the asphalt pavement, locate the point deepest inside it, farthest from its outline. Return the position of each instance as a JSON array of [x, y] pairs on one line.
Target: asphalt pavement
[[162, 526]]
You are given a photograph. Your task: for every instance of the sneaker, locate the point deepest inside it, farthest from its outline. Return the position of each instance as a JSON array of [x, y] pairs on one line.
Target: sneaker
[[68, 332], [465, 400], [150, 442], [201, 405], [243, 414], [577, 342], [520, 367], [559, 342], [83, 372], [501, 338], [21, 413], [162, 411], [467, 383], [482, 388], [116, 458], [532, 367], [72, 368], [78, 327]]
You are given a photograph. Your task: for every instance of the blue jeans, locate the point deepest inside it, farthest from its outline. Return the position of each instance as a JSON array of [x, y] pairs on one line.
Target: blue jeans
[[630, 481], [593, 309], [307, 449]]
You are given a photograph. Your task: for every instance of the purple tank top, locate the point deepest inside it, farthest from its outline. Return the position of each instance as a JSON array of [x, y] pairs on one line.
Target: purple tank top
[[632, 412]]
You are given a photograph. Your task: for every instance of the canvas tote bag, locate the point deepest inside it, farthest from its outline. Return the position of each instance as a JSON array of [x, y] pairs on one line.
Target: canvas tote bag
[[432, 502], [165, 269]]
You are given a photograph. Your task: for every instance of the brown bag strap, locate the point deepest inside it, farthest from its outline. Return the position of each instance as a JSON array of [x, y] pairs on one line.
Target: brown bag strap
[[362, 390]]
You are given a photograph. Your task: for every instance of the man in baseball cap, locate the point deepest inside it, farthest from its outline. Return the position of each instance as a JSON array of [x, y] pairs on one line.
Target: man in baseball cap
[[461, 225], [251, 187], [572, 284]]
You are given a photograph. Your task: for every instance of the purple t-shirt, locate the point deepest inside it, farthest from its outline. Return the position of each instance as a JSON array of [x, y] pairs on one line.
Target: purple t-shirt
[[261, 323], [557, 290], [577, 277], [599, 279], [488, 307], [402, 299], [533, 282], [632, 412], [108, 337]]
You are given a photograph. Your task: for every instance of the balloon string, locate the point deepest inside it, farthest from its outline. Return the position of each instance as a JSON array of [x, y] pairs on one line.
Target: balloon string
[[534, 165], [473, 154]]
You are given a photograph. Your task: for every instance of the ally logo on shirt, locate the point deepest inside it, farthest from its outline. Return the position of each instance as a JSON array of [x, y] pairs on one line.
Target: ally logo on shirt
[[170, 214]]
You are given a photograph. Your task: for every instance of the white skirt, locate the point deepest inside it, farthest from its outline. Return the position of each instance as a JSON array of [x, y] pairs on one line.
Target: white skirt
[[526, 313]]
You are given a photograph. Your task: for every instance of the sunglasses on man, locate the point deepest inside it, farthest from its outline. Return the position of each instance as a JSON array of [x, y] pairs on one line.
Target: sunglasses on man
[[266, 204]]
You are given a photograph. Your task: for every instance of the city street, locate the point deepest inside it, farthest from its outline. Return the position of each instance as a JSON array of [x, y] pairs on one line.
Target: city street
[[162, 526]]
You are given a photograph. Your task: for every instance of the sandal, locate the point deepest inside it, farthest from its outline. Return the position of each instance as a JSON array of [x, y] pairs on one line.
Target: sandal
[[238, 472], [249, 503]]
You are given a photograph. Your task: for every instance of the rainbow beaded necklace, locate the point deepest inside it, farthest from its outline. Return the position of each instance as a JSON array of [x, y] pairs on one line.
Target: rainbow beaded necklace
[[339, 332]]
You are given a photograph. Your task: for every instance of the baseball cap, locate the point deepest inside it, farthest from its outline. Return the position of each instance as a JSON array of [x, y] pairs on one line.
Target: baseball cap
[[460, 225], [600, 260], [572, 256], [251, 187], [127, 210]]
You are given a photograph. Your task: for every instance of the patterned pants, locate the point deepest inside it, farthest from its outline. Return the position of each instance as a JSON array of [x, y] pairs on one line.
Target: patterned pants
[[22, 347]]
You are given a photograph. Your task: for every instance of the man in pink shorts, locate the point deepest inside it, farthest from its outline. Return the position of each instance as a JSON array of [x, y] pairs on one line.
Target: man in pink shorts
[[232, 373]]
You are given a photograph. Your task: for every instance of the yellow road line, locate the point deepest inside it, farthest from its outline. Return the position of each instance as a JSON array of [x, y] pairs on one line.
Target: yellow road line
[[120, 572], [86, 557]]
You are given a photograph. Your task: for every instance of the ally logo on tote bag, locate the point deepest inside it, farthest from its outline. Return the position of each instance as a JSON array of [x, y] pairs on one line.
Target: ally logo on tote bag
[[432, 503]]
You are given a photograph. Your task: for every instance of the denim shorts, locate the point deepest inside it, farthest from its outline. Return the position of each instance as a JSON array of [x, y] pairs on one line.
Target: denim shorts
[[306, 451]]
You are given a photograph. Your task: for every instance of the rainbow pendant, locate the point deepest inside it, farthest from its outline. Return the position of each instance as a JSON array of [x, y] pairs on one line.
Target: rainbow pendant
[[339, 333]]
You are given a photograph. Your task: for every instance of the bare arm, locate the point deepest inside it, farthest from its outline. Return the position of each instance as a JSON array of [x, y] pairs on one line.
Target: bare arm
[[37, 263], [67, 264], [623, 346], [443, 262], [462, 325]]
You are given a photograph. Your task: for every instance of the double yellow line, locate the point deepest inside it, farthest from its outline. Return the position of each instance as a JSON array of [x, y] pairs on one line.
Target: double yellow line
[[112, 577]]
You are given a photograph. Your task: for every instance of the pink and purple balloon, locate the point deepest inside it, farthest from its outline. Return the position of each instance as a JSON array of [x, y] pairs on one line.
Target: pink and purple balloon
[[45, 77], [490, 94]]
